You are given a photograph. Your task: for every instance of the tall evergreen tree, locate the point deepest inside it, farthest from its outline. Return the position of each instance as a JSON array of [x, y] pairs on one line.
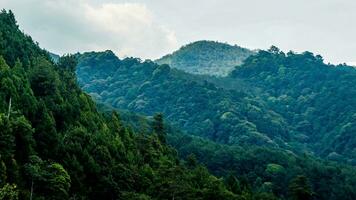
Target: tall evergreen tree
[[299, 188], [158, 127]]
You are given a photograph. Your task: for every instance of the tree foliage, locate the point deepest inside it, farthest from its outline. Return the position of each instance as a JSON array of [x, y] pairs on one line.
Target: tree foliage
[[54, 144]]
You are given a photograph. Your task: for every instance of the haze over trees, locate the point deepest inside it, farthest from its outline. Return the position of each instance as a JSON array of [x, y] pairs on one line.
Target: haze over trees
[[206, 57], [248, 133], [279, 126], [291, 101], [318, 101]]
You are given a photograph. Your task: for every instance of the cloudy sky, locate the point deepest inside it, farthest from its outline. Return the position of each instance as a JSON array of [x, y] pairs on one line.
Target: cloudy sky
[[152, 28]]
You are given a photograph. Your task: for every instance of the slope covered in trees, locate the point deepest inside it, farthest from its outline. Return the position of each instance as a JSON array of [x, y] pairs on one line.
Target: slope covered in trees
[[206, 57], [292, 101], [198, 107], [54, 144], [146, 88], [261, 169], [317, 100], [260, 172]]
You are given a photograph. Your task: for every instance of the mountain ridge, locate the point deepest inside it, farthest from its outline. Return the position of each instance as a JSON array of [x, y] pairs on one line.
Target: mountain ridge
[[206, 57]]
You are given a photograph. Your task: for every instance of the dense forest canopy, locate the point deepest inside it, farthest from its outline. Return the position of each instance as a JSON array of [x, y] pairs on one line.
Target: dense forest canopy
[[56, 145], [317, 100], [207, 57], [215, 138], [198, 107], [257, 139]]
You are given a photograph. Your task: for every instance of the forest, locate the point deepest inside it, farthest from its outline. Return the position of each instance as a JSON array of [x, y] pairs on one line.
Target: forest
[[206, 57], [317, 100], [55, 144], [93, 126], [246, 132]]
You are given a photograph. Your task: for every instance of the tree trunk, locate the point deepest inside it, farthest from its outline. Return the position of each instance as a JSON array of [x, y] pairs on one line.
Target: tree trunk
[[31, 190], [9, 110]]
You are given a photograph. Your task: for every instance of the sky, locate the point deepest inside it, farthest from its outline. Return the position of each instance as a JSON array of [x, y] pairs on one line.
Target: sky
[[153, 28]]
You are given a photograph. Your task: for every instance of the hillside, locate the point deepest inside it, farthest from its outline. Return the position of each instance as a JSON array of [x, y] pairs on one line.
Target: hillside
[[206, 57], [317, 100], [198, 107], [292, 101], [57, 143], [251, 163], [54, 144]]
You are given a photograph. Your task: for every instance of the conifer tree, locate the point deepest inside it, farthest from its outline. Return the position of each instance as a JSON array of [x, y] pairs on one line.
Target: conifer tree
[[158, 127]]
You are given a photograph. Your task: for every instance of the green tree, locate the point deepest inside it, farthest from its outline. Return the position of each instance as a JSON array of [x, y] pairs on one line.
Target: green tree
[[9, 192], [232, 183], [158, 127], [48, 180], [300, 189]]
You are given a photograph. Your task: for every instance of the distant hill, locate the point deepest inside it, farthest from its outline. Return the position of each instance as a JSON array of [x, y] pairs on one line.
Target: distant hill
[[293, 101], [316, 99], [193, 105], [244, 134], [206, 57]]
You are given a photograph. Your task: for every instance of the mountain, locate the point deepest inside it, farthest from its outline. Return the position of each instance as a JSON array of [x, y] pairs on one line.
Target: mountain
[[54, 144], [207, 57], [199, 107], [317, 100], [292, 101], [57, 143], [249, 144]]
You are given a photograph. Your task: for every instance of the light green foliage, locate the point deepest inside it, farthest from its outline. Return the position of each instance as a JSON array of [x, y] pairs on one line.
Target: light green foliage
[[9, 192], [274, 169], [299, 189], [206, 57]]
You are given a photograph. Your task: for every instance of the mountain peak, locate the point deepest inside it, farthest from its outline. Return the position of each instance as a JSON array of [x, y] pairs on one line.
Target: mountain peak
[[207, 57]]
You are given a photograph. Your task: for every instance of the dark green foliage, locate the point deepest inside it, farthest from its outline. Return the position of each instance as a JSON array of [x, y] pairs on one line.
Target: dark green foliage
[[14, 44], [268, 171], [9, 192], [54, 144], [318, 101], [198, 107], [236, 110], [299, 189], [158, 127], [206, 57]]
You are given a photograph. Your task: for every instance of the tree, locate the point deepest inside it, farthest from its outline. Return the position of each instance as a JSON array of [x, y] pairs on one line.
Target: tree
[[299, 188], [44, 80], [191, 161], [274, 49], [49, 180], [158, 127], [7, 139], [22, 130], [9, 192], [68, 62], [233, 184], [58, 181]]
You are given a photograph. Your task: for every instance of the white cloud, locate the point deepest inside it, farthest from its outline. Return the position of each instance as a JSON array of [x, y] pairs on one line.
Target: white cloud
[[68, 26], [351, 63], [144, 28]]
